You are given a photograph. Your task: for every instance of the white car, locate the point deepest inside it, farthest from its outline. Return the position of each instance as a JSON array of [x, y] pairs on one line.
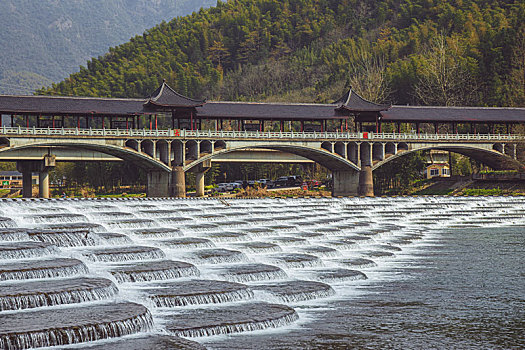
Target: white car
[[236, 185], [262, 182], [224, 187]]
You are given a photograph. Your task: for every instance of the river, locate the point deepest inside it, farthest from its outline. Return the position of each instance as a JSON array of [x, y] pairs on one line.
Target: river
[[364, 273]]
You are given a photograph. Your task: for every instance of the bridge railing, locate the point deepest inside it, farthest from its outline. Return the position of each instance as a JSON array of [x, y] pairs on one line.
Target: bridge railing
[[175, 133]]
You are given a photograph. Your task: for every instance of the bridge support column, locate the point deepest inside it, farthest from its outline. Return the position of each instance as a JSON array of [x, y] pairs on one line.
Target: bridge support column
[[43, 184], [27, 184], [199, 184], [366, 181], [199, 177], [158, 184], [178, 182], [345, 183]]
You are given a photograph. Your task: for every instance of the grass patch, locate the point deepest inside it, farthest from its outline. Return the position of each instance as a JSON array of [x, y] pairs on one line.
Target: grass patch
[[437, 192], [123, 195], [483, 192]]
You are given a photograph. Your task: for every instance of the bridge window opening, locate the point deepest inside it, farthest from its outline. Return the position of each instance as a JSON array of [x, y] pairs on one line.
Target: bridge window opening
[[147, 147], [390, 149], [4, 142], [251, 125], [313, 126], [402, 146], [327, 146], [340, 149], [192, 150], [219, 145], [133, 144], [206, 147], [121, 123], [51, 122]]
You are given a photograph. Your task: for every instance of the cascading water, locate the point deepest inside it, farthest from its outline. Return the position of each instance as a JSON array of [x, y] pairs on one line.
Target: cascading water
[[74, 271], [25, 295]]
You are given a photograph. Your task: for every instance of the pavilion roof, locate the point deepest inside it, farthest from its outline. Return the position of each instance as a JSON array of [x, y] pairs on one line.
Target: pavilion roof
[[453, 114], [165, 96], [61, 105], [352, 102]]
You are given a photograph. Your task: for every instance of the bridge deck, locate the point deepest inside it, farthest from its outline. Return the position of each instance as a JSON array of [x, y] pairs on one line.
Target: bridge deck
[[210, 134]]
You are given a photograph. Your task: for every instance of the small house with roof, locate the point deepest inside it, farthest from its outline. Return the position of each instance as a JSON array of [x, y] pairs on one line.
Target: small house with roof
[[438, 164]]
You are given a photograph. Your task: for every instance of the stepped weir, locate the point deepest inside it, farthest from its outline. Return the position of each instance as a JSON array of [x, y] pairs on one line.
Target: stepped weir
[[164, 273]]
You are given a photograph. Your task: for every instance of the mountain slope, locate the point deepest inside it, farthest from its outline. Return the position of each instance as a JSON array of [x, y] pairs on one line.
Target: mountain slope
[[468, 52], [46, 40]]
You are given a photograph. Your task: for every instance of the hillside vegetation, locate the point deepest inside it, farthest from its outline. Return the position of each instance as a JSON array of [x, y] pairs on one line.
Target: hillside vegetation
[[462, 52]]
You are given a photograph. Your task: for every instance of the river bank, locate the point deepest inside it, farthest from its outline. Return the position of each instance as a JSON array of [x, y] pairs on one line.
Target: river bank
[[432, 187]]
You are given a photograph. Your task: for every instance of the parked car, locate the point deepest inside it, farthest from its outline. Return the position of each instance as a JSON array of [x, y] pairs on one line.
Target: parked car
[[236, 184], [224, 187], [282, 181], [295, 180], [289, 181], [264, 183]]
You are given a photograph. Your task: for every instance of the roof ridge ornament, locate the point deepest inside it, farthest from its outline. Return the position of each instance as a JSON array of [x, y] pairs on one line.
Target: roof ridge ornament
[[353, 102], [166, 96]]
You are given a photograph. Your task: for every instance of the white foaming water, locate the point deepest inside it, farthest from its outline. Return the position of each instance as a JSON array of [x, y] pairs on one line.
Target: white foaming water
[[338, 242], [26, 295]]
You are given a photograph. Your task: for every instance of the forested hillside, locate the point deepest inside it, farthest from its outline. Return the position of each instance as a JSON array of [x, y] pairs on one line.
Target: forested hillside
[[462, 52], [46, 40]]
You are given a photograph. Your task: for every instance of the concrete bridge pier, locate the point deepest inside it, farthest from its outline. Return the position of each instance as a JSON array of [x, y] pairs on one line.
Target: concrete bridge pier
[[199, 177], [158, 184], [366, 181], [27, 168], [27, 179], [199, 184], [43, 184], [345, 183], [178, 182]]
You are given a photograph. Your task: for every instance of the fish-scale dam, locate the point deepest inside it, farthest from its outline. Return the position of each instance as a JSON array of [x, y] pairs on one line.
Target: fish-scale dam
[[175, 273]]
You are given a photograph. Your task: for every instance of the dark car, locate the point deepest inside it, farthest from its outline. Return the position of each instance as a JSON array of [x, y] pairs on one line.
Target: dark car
[[281, 182], [289, 181], [295, 180]]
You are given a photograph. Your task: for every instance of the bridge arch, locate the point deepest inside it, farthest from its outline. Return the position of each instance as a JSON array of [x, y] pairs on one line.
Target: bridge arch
[[331, 161], [127, 153], [491, 157]]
